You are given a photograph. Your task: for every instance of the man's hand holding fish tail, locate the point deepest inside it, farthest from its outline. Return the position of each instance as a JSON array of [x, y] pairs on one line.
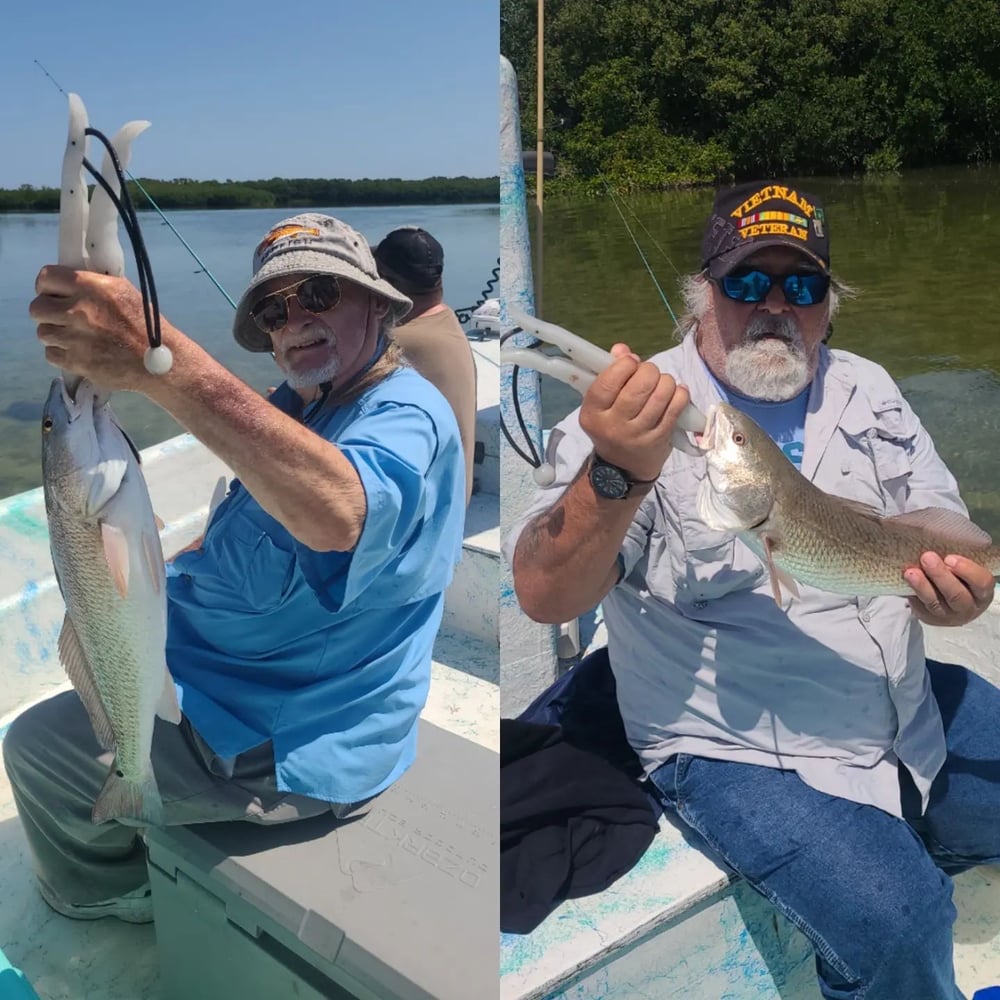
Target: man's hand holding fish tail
[[629, 414], [950, 591], [763, 604]]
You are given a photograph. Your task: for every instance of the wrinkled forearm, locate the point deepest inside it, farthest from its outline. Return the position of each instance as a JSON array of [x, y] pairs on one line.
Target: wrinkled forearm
[[299, 478], [565, 561]]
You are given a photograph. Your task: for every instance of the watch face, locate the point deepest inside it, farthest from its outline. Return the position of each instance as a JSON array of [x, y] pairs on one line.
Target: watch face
[[608, 481]]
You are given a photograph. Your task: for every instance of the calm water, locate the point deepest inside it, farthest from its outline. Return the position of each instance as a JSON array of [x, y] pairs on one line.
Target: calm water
[[224, 240], [920, 248]]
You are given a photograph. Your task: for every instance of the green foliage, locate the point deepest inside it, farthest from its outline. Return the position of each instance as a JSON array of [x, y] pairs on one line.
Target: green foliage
[[278, 192], [648, 93], [883, 161]]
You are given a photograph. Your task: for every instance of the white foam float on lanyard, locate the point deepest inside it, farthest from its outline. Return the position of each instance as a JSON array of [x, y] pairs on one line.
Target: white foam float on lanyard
[[88, 231]]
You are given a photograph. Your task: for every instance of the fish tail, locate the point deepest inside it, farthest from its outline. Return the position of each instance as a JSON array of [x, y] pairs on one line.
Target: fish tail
[[121, 798]]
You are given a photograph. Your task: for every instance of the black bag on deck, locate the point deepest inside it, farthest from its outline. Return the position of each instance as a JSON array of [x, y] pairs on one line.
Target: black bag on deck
[[573, 816]]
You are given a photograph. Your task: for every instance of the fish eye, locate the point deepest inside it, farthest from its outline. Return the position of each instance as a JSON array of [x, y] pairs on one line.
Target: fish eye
[[739, 438]]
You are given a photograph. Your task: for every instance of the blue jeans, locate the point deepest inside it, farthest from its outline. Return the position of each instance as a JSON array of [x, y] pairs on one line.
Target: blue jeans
[[872, 892]]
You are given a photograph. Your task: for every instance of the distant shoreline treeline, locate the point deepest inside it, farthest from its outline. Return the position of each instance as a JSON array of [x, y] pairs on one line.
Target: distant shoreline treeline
[[652, 94], [278, 192]]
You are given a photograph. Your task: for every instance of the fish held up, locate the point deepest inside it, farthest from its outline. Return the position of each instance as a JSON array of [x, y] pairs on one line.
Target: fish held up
[[803, 534], [109, 565]]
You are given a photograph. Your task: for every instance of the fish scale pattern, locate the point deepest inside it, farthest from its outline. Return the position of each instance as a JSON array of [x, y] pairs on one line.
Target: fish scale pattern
[[122, 638]]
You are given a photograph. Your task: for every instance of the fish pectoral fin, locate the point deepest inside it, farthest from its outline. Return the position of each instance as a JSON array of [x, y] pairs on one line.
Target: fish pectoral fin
[[950, 524], [168, 708], [779, 578], [116, 553], [789, 583], [79, 671]]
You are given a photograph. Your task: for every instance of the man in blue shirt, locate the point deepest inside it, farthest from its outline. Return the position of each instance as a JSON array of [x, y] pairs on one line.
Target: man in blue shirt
[[300, 628]]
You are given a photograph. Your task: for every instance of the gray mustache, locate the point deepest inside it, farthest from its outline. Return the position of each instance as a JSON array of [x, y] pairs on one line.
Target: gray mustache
[[785, 329]]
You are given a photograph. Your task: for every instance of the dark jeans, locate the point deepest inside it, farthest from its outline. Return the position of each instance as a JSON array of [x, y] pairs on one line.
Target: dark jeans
[[871, 891]]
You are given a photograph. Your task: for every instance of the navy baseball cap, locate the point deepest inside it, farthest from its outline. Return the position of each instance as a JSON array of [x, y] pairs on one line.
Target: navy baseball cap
[[413, 256], [759, 214]]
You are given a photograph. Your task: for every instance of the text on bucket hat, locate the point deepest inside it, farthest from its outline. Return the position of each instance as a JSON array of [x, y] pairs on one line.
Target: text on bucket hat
[[749, 217], [311, 244], [414, 256]]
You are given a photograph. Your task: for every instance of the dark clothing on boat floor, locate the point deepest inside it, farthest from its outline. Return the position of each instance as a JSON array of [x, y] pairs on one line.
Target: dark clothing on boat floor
[[573, 818]]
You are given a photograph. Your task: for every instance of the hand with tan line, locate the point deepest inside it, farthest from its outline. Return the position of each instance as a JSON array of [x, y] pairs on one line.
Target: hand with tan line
[[630, 412]]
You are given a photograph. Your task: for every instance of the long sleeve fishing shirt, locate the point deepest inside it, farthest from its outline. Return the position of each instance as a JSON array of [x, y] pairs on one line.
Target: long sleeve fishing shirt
[[706, 663]]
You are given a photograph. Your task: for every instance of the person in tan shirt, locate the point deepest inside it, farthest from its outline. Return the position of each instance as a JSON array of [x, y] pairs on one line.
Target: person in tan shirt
[[431, 337]]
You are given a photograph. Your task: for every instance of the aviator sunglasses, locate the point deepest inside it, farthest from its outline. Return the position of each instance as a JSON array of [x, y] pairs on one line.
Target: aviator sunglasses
[[806, 289], [315, 295]]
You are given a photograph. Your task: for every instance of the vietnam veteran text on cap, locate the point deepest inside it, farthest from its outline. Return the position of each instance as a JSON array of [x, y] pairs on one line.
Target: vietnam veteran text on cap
[[749, 217]]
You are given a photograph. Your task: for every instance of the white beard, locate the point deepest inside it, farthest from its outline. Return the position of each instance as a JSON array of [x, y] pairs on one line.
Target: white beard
[[766, 368], [302, 378], [313, 376]]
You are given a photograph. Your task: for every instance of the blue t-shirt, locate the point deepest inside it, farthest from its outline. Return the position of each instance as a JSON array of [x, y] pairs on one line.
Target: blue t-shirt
[[327, 654], [784, 421]]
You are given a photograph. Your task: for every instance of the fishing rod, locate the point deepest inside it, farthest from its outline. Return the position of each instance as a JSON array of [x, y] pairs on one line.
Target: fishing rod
[[187, 246]]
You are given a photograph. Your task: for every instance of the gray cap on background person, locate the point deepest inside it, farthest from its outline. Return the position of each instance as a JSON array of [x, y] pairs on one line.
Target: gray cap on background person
[[311, 244], [414, 258]]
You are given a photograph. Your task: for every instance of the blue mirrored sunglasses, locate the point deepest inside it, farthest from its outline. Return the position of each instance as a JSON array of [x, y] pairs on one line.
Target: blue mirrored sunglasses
[[806, 289]]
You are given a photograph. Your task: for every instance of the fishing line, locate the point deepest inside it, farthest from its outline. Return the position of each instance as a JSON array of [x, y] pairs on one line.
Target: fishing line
[[628, 229], [187, 246], [652, 238]]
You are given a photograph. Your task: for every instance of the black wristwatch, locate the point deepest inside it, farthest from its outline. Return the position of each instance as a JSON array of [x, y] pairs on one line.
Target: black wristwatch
[[611, 482]]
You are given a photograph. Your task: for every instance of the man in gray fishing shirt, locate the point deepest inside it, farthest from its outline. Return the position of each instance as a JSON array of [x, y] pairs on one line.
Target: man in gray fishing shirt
[[809, 743]]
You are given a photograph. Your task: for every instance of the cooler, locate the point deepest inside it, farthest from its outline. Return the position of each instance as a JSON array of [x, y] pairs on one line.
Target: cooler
[[399, 904]]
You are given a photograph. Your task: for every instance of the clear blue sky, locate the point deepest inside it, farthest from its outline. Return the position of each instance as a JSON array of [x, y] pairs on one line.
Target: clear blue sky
[[241, 90]]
